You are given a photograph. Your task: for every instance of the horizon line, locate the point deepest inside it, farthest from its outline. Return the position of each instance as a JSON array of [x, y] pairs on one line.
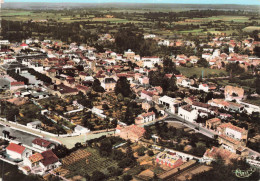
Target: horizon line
[[134, 3]]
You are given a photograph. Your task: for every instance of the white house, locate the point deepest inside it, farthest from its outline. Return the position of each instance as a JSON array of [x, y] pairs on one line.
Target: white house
[[18, 152], [204, 87], [186, 82], [188, 113], [40, 163], [145, 118], [98, 112], [250, 108], [170, 103], [34, 124], [148, 63], [153, 59], [81, 130]]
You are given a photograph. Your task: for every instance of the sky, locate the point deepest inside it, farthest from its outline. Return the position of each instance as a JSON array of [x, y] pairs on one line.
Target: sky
[[246, 2]]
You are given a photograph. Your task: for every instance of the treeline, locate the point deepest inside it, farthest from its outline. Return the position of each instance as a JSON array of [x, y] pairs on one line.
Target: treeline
[[40, 76], [17, 77], [16, 31]]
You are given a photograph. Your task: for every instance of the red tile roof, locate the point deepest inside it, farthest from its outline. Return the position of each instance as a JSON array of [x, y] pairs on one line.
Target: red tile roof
[[49, 158], [231, 126], [15, 148], [36, 157], [41, 142]]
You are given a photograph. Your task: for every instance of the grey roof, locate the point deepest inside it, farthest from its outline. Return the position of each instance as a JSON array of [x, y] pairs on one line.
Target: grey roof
[[4, 83]]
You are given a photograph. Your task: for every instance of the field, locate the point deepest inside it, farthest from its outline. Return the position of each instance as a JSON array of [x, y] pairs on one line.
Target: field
[[188, 72], [88, 164], [251, 28]]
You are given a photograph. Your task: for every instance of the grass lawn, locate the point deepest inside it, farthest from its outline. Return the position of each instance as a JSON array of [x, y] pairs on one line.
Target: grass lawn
[[90, 164], [198, 71], [226, 82]]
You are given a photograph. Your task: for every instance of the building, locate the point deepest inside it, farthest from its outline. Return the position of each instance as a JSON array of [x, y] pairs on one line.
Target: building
[[81, 130], [188, 113], [132, 132], [34, 124], [108, 84], [148, 95], [40, 163], [232, 93], [145, 118], [169, 159], [17, 152], [204, 87], [42, 144], [232, 137], [213, 123], [170, 103], [214, 153]]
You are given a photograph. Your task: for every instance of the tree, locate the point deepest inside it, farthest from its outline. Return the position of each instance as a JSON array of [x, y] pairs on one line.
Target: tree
[[203, 63], [169, 66], [140, 151], [150, 153], [97, 86], [127, 177], [257, 84], [61, 151], [97, 176], [11, 114], [123, 87]]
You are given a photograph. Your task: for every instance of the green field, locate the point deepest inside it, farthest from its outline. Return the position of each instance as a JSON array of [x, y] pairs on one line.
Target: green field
[[188, 72]]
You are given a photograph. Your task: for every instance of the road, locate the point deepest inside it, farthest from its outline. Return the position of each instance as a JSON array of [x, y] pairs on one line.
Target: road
[[16, 135], [173, 118], [26, 138]]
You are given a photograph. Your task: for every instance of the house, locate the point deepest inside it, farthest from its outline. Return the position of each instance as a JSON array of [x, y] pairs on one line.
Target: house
[[148, 95], [213, 123], [188, 113], [17, 152], [108, 84], [132, 132], [231, 93], [229, 106], [250, 108], [170, 103], [232, 137], [129, 54], [42, 144], [40, 163], [169, 159], [186, 82], [145, 118], [81, 130], [146, 105], [34, 124], [214, 153], [204, 87]]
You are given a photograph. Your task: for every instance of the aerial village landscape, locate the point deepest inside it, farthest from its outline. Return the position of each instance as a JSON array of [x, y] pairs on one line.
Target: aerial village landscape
[[138, 103]]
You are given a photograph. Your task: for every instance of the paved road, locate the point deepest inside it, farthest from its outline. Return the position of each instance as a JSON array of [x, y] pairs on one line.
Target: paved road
[[26, 138], [173, 117], [20, 136]]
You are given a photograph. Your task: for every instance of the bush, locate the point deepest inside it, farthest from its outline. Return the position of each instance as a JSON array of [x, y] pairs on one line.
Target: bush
[[127, 177], [140, 151], [97, 176], [150, 153]]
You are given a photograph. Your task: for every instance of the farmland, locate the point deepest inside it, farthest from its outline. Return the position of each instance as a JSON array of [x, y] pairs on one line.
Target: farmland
[[88, 164]]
